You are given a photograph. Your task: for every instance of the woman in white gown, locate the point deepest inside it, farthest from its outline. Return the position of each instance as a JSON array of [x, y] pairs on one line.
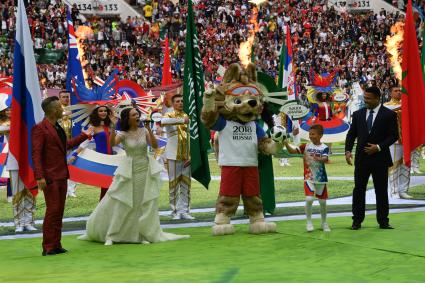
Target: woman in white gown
[[129, 211]]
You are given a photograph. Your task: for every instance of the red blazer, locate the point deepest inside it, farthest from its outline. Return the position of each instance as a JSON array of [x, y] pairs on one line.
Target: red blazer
[[49, 153]]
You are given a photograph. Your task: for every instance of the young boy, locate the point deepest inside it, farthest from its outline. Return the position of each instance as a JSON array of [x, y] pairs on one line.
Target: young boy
[[316, 155]]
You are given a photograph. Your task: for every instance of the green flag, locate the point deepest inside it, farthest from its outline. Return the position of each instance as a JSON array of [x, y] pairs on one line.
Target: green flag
[[282, 59], [193, 90]]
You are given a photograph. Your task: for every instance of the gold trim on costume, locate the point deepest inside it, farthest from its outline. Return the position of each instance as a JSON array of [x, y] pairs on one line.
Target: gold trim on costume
[[182, 136]]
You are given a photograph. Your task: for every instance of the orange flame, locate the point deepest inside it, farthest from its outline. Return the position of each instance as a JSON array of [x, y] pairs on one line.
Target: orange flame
[[245, 48], [393, 44], [82, 33]]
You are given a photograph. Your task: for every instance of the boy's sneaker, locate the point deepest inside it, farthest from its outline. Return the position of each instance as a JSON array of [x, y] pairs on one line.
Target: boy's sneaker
[[186, 216], [310, 227], [325, 227]]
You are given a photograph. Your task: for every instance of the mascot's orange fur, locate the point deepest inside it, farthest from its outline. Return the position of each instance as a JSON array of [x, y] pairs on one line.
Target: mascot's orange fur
[[234, 101]]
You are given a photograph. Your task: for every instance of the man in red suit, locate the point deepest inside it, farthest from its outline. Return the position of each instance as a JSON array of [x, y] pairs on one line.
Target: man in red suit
[[49, 146]]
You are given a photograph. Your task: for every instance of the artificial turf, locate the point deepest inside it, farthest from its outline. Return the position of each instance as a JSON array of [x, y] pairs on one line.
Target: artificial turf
[[291, 255]]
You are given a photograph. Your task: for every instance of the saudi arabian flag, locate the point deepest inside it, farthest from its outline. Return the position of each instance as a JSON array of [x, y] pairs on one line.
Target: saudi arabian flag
[[193, 90]]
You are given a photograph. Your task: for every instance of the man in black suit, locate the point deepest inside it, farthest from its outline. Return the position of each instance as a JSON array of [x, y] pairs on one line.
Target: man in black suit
[[375, 128]]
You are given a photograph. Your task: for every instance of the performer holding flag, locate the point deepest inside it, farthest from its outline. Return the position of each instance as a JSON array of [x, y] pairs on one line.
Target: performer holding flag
[[26, 105]]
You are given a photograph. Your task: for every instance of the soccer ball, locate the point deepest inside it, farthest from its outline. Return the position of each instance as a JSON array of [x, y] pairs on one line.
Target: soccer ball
[[278, 133]]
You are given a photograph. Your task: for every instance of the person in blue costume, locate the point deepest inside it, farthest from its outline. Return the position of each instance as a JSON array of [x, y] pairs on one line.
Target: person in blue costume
[[100, 127]]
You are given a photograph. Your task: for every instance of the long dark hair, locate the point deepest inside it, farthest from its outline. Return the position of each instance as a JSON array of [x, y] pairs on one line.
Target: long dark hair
[[319, 96], [125, 117], [95, 119], [3, 116]]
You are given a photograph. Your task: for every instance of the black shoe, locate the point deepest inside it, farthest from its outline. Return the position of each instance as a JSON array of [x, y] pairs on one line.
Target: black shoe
[[46, 253], [356, 226], [385, 226], [61, 250]]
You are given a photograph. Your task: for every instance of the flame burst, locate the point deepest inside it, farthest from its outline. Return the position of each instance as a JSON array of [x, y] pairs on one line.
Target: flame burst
[[245, 48], [393, 44], [82, 33]]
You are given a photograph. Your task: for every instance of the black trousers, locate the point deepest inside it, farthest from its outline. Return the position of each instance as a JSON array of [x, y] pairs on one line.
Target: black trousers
[[379, 174]]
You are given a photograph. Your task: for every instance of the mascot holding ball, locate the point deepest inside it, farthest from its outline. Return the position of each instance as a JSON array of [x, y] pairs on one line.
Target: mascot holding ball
[[232, 109]]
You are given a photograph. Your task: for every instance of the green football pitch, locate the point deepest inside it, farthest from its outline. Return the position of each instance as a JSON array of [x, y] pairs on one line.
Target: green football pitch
[[291, 255]]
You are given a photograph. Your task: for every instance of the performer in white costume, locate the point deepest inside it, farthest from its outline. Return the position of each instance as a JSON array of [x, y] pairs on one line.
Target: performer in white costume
[[399, 174], [414, 157], [129, 211], [177, 153], [23, 201]]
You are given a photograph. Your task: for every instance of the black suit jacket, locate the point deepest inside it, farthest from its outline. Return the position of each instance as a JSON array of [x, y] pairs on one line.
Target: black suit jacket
[[384, 133]]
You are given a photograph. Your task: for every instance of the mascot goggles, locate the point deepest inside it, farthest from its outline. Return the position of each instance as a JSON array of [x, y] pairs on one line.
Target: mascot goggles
[[243, 90]]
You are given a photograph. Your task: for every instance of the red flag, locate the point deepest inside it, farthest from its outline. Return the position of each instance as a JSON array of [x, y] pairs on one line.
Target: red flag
[[413, 88], [166, 68]]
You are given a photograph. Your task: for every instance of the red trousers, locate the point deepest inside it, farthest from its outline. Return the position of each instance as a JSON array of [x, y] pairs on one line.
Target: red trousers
[[236, 181], [55, 196]]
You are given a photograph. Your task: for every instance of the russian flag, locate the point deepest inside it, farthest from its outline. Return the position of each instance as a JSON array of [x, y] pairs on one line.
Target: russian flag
[[4, 148], [26, 99], [286, 75], [98, 169], [75, 71], [5, 97]]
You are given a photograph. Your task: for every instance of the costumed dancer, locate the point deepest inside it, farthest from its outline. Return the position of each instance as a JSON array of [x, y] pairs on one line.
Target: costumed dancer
[[4, 132], [399, 173], [100, 122], [100, 130], [93, 111], [322, 93], [177, 152], [24, 202], [129, 211], [66, 124], [316, 154], [414, 157]]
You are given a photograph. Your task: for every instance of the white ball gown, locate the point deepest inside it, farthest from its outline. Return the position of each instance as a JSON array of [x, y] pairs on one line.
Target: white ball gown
[[129, 211]]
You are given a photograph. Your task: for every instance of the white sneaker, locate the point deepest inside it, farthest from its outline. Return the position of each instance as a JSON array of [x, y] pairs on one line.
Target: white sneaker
[[186, 216], [9, 199], [405, 196], [29, 228], [109, 242], [325, 227], [19, 229], [310, 227], [175, 216], [72, 195]]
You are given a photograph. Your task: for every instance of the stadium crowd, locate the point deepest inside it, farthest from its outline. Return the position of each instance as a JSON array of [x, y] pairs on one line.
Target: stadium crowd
[[322, 39]]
